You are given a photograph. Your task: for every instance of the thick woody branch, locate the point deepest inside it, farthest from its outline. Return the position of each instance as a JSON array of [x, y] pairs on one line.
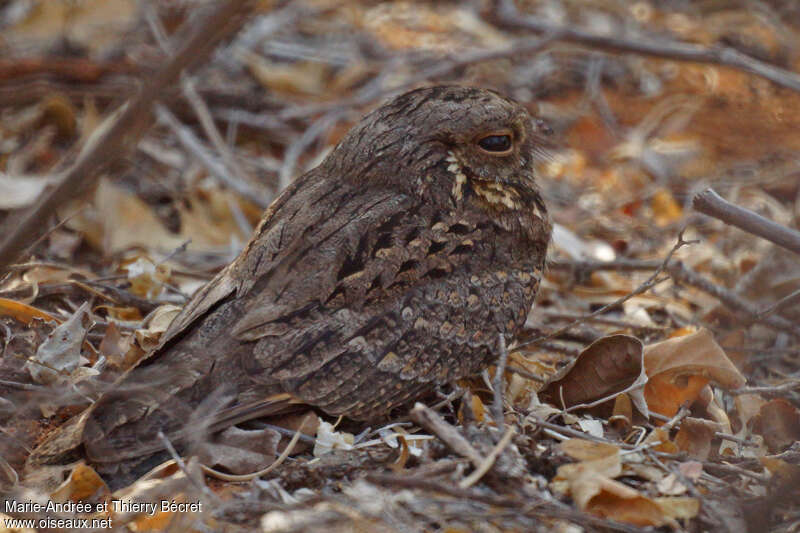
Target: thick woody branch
[[710, 203], [123, 131]]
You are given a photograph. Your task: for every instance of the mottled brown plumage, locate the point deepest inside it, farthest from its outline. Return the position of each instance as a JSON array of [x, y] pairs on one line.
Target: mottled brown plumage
[[391, 267]]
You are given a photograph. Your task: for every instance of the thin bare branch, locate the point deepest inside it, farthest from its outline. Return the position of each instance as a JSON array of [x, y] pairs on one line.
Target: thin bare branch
[[509, 15]]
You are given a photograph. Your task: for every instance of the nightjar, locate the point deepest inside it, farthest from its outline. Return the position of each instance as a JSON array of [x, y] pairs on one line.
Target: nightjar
[[390, 268]]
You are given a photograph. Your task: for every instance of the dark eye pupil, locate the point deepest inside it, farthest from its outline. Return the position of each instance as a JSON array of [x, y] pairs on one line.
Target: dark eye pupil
[[495, 143]]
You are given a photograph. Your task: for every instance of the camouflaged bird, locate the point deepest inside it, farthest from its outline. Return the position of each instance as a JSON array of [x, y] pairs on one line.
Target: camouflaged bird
[[390, 268]]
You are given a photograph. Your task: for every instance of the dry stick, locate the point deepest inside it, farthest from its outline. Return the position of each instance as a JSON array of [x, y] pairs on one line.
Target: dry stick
[[619, 265], [120, 136], [783, 303], [433, 422], [713, 205], [682, 274], [204, 114], [489, 461], [508, 15], [497, 383], [192, 144], [539, 509]]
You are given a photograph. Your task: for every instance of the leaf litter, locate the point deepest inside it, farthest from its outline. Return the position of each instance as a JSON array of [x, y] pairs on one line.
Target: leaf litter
[[669, 409]]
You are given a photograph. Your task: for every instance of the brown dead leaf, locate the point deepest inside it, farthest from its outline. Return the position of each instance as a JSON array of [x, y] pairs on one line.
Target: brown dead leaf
[[592, 487], [747, 406], [587, 450], [695, 436], [678, 508], [609, 366], [240, 451], [622, 415], [680, 367], [778, 421], [661, 436]]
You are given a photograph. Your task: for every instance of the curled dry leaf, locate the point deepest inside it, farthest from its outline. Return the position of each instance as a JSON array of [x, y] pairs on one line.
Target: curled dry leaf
[[680, 367], [608, 367], [155, 324]]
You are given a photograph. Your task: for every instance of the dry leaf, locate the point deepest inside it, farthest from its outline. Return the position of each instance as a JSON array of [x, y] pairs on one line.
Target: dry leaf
[[155, 324], [23, 312], [60, 353], [665, 209], [146, 279], [587, 450], [778, 421], [680, 367], [695, 436], [240, 451], [82, 485], [609, 366], [19, 191]]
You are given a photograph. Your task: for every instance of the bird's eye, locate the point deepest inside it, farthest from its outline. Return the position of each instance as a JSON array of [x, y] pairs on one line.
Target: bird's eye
[[497, 144]]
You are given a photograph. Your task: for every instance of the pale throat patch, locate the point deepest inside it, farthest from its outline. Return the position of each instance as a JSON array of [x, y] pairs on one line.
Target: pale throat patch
[[460, 178], [492, 193]]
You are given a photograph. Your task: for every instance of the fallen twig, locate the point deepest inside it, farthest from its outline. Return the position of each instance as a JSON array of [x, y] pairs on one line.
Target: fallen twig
[[433, 422], [710, 203], [489, 461]]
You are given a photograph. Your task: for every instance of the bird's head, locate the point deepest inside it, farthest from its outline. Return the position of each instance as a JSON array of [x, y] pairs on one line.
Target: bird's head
[[460, 147]]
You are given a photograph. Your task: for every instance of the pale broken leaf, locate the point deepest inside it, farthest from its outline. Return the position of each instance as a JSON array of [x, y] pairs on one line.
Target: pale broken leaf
[[17, 192], [60, 353], [328, 439], [146, 278]]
